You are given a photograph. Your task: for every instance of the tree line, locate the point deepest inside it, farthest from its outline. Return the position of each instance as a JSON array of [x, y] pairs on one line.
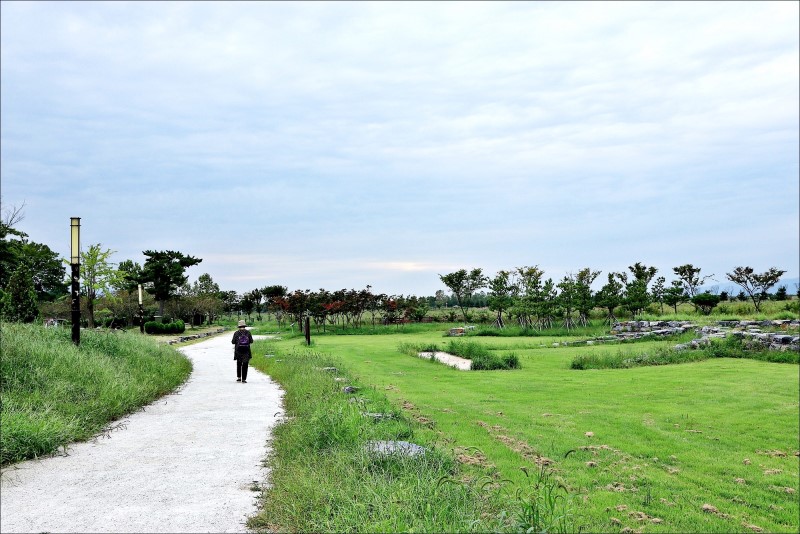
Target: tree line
[[538, 302], [33, 283]]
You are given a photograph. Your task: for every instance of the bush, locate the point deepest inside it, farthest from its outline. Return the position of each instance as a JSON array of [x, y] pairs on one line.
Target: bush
[[482, 359], [153, 327]]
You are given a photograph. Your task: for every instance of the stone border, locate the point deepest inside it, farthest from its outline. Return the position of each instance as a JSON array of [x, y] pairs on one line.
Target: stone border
[[184, 339]]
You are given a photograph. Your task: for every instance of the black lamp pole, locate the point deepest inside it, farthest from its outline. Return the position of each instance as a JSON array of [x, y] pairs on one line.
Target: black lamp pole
[[75, 259]]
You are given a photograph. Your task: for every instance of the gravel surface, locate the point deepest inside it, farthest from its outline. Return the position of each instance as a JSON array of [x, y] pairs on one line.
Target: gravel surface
[[462, 364], [186, 463]]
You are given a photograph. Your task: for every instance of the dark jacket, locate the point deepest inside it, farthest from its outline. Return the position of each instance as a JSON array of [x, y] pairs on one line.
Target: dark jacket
[[242, 351]]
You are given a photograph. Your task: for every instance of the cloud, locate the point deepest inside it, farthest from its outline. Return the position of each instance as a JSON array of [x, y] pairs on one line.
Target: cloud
[[393, 139]]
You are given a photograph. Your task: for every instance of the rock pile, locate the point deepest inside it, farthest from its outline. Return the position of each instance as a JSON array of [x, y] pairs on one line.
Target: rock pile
[[751, 331], [183, 339], [639, 329]]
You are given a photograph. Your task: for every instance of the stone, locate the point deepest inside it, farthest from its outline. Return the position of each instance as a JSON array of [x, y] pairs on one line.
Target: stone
[[378, 416], [402, 448], [349, 389]]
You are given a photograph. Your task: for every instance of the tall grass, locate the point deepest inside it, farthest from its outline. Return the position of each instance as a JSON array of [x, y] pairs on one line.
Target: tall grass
[[482, 358], [326, 479], [54, 393]]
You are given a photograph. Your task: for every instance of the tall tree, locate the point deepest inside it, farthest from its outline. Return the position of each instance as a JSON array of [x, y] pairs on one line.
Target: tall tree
[[463, 284], [45, 267], [637, 296], [755, 284], [99, 276], [18, 303], [705, 302], [131, 275], [47, 270], [567, 299], [610, 295], [675, 294], [584, 300], [689, 276], [659, 292], [10, 241], [501, 295], [208, 301], [165, 270]]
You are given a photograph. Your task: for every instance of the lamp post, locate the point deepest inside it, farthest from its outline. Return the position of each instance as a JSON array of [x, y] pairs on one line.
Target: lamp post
[[75, 261], [141, 311]]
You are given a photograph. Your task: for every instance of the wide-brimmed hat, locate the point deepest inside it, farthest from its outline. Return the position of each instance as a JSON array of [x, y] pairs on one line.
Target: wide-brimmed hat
[[242, 323]]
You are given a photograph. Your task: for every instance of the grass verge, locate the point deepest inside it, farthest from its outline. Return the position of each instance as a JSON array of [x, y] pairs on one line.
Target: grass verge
[[54, 393], [325, 478]]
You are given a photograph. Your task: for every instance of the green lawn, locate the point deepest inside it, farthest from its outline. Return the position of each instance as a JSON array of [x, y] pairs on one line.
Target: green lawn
[[664, 441]]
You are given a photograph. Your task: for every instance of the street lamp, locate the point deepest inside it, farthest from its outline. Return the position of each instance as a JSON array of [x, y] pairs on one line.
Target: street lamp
[[141, 311], [75, 261]]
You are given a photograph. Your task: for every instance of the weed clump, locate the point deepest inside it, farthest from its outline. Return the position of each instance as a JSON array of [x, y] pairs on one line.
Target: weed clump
[[482, 359]]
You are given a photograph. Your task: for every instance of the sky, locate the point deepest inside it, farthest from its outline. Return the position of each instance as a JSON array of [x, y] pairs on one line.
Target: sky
[[337, 145]]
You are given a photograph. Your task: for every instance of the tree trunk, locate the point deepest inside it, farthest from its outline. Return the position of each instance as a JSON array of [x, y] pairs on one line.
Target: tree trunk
[[90, 310]]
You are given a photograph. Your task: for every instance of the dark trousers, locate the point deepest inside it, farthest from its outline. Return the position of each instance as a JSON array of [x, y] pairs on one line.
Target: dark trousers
[[241, 367]]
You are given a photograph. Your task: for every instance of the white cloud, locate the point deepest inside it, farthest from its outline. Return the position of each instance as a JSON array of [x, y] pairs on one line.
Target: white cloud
[[427, 134]]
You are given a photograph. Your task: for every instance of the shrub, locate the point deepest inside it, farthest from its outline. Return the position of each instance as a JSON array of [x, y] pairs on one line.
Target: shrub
[[152, 327], [510, 360], [482, 359]]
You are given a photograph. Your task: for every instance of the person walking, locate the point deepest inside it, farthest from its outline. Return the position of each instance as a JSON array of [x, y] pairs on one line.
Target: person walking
[[242, 339]]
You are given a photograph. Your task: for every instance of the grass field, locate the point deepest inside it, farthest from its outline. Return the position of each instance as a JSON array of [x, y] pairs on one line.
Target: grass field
[[709, 446], [53, 393]]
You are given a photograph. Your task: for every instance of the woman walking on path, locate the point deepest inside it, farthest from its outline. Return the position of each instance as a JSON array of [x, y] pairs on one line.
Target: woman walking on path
[[242, 339]]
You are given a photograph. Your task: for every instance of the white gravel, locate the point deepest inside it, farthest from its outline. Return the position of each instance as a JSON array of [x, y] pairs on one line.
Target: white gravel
[[462, 364], [185, 464]]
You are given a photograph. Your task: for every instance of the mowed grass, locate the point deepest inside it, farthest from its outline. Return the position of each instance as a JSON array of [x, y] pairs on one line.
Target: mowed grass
[[54, 393], [709, 446]]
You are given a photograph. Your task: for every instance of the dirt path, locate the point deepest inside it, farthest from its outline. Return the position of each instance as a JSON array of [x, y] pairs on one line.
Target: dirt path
[[186, 463]]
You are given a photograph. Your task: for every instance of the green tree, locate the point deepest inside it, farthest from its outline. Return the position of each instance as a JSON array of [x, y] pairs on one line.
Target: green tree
[[755, 284], [47, 271], [165, 270], [610, 295], [781, 293], [463, 285], [705, 302], [567, 299], [584, 299], [659, 292], [675, 294], [10, 241], [19, 298], [689, 276], [207, 295], [247, 304], [501, 295], [637, 296], [131, 276], [45, 267], [99, 276]]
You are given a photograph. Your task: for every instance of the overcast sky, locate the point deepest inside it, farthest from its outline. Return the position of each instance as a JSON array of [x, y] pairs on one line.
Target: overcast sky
[[335, 145]]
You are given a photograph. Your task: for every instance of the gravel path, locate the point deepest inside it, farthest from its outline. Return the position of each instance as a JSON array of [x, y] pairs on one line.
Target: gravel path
[[185, 464]]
